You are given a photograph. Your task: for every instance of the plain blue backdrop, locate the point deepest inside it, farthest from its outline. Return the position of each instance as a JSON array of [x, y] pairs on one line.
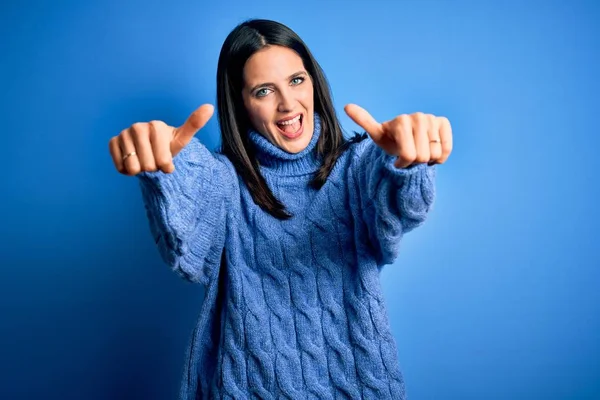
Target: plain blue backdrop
[[495, 297]]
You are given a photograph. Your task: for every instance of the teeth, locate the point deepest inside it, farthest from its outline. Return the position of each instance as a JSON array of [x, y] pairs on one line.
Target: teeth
[[291, 121]]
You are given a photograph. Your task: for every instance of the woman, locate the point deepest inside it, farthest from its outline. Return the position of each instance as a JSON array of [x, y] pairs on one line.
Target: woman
[[288, 226]]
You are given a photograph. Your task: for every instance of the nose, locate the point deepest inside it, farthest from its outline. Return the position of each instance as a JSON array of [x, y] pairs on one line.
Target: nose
[[286, 101]]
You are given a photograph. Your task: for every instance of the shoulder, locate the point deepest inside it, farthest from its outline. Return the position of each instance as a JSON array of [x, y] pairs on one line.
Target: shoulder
[[227, 165], [357, 146], [198, 152], [211, 162], [348, 154]]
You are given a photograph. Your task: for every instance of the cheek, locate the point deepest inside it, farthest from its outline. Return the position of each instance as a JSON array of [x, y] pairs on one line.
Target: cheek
[[260, 116], [308, 98], [256, 113]]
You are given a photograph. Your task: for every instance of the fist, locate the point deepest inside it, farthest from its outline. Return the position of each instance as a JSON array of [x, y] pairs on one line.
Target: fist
[[151, 146], [415, 138]]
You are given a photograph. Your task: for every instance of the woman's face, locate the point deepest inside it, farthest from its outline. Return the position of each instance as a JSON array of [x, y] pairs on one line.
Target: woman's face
[[278, 95]]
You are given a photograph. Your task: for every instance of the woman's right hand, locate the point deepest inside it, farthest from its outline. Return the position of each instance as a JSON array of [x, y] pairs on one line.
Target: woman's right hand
[[151, 146]]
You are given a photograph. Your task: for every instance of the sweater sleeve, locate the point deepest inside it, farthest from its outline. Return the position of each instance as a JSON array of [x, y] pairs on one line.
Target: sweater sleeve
[[187, 211], [391, 201]]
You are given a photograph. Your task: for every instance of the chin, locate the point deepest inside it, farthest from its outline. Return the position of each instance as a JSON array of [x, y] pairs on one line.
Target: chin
[[295, 148]]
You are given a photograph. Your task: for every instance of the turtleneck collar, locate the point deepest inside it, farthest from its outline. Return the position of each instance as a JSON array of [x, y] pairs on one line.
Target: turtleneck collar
[[274, 159]]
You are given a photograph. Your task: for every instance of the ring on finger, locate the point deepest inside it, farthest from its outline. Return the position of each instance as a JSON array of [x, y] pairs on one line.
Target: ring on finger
[[126, 156]]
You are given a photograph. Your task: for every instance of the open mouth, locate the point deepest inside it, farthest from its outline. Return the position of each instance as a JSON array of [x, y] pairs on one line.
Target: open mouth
[[291, 128]]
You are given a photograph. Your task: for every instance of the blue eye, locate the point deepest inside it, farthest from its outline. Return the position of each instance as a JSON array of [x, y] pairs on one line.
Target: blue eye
[[261, 92], [298, 79]]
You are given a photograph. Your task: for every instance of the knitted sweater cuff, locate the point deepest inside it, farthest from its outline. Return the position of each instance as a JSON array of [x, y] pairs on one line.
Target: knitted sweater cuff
[[388, 161]]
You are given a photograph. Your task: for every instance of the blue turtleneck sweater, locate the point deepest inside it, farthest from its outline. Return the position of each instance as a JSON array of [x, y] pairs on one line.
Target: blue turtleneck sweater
[[293, 308]]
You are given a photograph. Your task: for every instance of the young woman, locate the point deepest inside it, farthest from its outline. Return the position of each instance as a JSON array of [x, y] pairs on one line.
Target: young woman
[[287, 226]]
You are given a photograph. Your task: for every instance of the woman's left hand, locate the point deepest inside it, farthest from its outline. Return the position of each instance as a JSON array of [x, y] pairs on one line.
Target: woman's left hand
[[414, 138]]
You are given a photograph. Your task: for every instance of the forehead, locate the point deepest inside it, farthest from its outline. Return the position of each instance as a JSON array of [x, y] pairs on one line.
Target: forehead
[[271, 64]]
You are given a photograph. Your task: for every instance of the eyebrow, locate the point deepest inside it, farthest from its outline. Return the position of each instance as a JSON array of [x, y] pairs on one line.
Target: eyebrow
[[292, 76]]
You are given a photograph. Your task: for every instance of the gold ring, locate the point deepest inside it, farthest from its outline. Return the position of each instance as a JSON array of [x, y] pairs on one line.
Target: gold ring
[[133, 153], [435, 141]]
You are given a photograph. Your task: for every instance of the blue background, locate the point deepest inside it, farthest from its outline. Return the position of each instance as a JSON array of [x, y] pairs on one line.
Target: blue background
[[495, 297]]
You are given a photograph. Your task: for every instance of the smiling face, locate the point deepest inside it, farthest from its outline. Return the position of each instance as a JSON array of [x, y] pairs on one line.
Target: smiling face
[[278, 95]]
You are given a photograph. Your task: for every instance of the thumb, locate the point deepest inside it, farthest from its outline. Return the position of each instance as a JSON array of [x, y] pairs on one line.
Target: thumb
[[365, 120], [195, 122]]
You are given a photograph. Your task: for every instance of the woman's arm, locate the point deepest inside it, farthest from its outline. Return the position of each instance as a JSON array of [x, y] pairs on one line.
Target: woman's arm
[[391, 201], [187, 210], [394, 174]]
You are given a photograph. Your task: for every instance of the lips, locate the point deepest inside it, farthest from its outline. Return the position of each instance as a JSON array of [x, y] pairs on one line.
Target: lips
[[287, 119], [291, 127]]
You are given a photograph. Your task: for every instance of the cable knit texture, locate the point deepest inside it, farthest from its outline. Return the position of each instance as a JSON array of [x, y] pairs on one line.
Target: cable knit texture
[[293, 309]]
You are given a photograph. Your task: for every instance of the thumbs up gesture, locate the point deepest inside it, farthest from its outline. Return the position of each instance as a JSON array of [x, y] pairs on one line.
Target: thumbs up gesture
[[151, 146], [414, 138]]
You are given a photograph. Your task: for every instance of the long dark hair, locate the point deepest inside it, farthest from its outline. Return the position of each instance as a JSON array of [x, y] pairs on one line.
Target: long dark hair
[[244, 40]]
